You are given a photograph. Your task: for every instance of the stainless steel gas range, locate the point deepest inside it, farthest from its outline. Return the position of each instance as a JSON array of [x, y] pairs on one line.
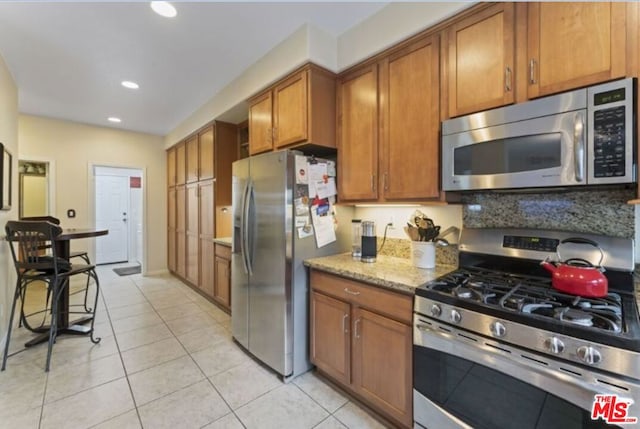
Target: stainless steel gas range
[[497, 347]]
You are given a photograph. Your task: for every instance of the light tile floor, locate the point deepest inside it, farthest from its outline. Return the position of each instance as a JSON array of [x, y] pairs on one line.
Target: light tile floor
[[166, 360]]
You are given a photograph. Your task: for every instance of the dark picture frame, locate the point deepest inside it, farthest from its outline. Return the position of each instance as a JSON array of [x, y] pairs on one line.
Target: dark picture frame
[[5, 178]]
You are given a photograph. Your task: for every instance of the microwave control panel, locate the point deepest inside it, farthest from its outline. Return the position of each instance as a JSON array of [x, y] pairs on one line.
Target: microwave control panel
[[609, 146], [611, 134]]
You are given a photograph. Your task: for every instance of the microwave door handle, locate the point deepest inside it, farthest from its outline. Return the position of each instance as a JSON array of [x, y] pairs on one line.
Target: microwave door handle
[[578, 147]]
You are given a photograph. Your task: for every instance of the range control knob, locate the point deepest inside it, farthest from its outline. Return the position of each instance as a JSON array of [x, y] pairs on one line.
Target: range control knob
[[589, 355], [498, 329], [554, 345], [436, 311], [455, 316]]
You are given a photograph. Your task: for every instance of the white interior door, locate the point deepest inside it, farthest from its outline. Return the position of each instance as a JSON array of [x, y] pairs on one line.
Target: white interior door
[[112, 209]]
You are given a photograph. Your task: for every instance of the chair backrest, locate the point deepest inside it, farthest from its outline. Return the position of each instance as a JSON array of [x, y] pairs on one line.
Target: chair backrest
[[27, 239], [51, 219]]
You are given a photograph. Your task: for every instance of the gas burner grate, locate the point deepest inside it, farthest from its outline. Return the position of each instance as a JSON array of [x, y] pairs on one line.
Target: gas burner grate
[[531, 295]]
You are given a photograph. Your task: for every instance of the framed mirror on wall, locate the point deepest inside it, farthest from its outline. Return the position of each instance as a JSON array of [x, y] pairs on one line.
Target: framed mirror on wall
[[33, 188], [5, 178]]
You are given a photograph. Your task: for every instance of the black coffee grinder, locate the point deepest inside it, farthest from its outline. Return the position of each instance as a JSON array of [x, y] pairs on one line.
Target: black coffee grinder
[[369, 242]]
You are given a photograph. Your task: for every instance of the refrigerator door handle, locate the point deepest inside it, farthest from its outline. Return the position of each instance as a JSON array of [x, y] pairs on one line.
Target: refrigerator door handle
[[243, 230], [246, 226]]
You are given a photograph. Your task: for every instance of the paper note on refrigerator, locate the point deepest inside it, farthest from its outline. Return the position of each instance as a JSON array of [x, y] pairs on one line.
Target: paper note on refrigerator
[[323, 223], [317, 173], [301, 170], [326, 189]]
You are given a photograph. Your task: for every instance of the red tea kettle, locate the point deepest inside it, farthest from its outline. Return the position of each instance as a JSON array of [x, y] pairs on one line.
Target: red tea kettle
[[578, 276]]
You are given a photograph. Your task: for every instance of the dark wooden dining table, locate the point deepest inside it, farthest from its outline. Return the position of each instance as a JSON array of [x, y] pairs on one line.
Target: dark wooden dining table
[[66, 326]]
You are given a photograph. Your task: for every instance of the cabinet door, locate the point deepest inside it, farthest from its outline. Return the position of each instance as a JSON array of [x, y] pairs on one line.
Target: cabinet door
[[290, 110], [171, 167], [206, 208], [260, 124], [192, 236], [480, 53], [206, 154], [172, 251], [192, 159], [409, 90], [571, 45], [223, 281], [171, 231], [330, 339], [207, 268], [181, 222], [181, 164], [382, 363], [358, 135]]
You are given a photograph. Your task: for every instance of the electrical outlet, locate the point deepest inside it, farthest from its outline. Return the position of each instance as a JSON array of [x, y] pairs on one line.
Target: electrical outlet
[[391, 223]]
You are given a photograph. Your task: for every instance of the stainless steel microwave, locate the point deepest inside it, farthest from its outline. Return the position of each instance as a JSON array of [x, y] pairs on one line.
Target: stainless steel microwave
[[582, 137]]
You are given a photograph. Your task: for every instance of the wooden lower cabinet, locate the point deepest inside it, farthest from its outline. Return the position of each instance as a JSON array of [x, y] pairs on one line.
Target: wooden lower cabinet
[[222, 289], [361, 338], [330, 338], [207, 268]]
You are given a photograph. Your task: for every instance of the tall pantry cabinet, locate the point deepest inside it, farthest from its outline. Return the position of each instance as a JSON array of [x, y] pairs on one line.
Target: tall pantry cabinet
[[199, 201]]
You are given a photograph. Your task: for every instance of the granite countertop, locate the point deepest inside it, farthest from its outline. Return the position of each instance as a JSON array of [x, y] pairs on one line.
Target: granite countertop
[[225, 241], [388, 271]]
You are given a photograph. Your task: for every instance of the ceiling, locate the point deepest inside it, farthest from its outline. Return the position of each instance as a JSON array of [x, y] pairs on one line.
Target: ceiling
[[69, 58]]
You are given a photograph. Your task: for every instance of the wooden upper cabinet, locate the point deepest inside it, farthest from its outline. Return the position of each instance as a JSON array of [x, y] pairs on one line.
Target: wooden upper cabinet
[[358, 135], [171, 166], [571, 45], [298, 110], [479, 51], [409, 94], [206, 208], [260, 124], [192, 159], [206, 154], [181, 164], [290, 105]]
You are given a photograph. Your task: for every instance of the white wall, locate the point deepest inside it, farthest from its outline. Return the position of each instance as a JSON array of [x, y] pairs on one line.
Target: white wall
[[75, 147], [445, 216], [9, 138], [285, 57], [389, 25]]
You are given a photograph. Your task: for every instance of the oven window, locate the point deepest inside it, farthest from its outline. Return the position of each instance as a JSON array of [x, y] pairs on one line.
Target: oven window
[[487, 399], [510, 155]]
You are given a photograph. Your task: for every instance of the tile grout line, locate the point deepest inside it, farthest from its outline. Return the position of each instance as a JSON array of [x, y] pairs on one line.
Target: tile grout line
[[124, 368]]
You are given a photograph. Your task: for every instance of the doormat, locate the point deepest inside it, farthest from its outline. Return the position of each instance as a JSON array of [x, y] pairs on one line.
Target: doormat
[[127, 271]]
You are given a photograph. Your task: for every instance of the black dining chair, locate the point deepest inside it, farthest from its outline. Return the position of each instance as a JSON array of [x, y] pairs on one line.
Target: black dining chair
[[26, 241], [82, 254]]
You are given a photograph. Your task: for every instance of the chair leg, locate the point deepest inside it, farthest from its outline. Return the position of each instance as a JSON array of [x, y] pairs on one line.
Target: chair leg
[[16, 295], [86, 293], [95, 340], [54, 321]]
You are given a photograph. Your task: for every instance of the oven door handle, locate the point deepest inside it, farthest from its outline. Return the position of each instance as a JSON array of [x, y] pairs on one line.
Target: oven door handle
[[575, 384], [578, 147]]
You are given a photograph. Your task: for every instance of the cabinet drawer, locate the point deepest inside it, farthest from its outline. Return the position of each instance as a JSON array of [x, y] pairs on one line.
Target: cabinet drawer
[[223, 251], [394, 305]]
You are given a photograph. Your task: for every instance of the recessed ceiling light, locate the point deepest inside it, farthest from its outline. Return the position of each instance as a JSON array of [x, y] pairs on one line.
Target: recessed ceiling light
[[164, 8], [130, 85], [114, 119]]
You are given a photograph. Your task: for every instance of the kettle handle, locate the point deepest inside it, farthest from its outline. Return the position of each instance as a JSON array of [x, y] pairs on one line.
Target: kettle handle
[[580, 240]]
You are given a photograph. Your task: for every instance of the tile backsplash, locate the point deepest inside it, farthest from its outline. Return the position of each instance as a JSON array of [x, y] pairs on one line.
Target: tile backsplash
[[593, 211]]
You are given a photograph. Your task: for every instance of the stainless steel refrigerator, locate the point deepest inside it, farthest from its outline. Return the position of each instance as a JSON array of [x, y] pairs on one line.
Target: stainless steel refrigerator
[[269, 285]]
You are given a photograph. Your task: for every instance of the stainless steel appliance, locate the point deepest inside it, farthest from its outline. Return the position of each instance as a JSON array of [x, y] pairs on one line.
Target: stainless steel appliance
[[582, 137], [369, 241], [495, 346], [269, 288]]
